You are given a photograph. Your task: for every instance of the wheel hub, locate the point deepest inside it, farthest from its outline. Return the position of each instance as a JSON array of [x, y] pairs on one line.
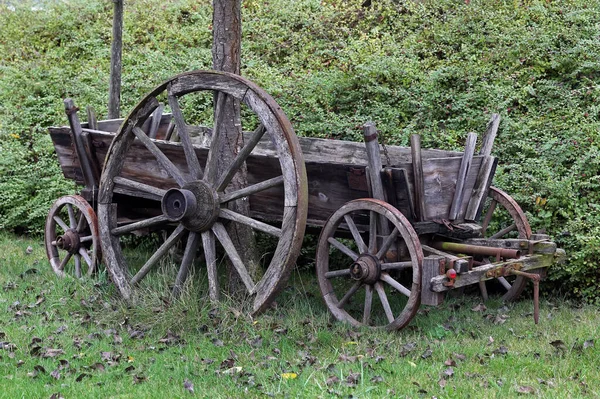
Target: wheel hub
[[366, 269], [195, 205], [69, 241]]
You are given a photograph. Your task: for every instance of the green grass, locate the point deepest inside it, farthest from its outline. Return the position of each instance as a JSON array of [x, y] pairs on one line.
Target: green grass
[[153, 348]]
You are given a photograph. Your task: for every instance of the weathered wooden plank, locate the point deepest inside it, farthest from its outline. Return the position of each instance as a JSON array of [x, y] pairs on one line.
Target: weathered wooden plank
[[482, 185], [481, 273], [114, 93], [489, 136], [155, 121], [374, 170], [418, 179], [432, 267], [92, 122], [465, 166]]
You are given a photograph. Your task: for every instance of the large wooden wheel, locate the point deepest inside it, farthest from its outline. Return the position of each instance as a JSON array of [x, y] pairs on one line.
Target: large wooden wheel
[[193, 198], [71, 237], [504, 218], [350, 271]]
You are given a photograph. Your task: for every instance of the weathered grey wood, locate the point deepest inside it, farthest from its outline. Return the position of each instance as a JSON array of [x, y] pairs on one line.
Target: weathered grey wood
[[142, 224], [374, 170], [188, 148], [91, 118], [344, 249], [394, 284], [162, 159], [387, 243], [362, 247], [342, 302], [465, 166], [210, 254], [160, 252], [76, 131], [253, 189], [212, 163], [487, 142], [368, 304], [525, 263], [461, 264], [432, 265], [240, 158], [419, 183], [188, 257], [384, 301], [338, 273], [482, 185], [255, 224], [90, 154], [135, 188], [396, 266], [156, 118], [114, 93], [233, 255]]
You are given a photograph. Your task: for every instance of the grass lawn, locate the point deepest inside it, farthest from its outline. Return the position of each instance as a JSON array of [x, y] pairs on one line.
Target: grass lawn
[[75, 339]]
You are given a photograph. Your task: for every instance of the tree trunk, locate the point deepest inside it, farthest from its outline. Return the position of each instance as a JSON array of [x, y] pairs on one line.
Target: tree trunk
[[114, 91], [227, 37]]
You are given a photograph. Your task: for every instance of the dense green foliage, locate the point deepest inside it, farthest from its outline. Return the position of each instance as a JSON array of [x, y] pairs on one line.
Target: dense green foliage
[[438, 68]]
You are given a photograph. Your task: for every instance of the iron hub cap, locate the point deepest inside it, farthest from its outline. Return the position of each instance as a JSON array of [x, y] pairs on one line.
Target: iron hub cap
[[366, 269], [195, 205], [69, 241]]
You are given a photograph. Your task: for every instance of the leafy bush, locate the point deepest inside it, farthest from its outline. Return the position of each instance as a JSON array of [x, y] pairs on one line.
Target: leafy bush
[[435, 68]]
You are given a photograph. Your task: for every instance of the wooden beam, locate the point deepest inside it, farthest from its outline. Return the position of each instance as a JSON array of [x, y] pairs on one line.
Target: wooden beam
[[465, 165]]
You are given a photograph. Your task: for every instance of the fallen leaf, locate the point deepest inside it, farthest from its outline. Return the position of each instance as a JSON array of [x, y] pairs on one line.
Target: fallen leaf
[[129, 369], [490, 340], [442, 382], [588, 344], [217, 342], [526, 390], [450, 362], [82, 376], [459, 356], [138, 379], [57, 395], [376, 379], [427, 353], [289, 376], [234, 370], [352, 379], [449, 372], [29, 250], [188, 385], [502, 350], [52, 353], [479, 308], [55, 374], [98, 367], [558, 344], [332, 380]]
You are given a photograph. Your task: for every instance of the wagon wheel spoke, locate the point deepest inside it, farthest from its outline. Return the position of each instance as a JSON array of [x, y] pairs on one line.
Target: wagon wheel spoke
[[248, 221], [84, 254], [188, 148], [134, 185], [394, 284], [61, 223], [362, 247], [505, 231], [142, 224], [81, 223], [488, 217], [389, 240], [72, 220], [384, 301], [208, 244], [85, 239], [160, 252], [65, 260], [77, 265], [210, 173], [342, 302], [338, 273], [396, 266], [344, 249], [233, 255], [188, 257], [240, 158], [372, 232], [162, 159], [368, 303], [253, 189]]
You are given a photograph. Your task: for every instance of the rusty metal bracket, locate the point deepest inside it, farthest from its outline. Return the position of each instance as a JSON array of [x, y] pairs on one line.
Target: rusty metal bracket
[[503, 271], [535, 278]]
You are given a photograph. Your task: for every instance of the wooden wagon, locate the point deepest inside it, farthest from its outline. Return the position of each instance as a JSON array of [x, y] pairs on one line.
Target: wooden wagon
[[408, 224]]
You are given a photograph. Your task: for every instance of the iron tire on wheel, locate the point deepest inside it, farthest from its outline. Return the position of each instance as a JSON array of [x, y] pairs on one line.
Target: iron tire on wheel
[[204, 220], [71, 232], [371, 266]]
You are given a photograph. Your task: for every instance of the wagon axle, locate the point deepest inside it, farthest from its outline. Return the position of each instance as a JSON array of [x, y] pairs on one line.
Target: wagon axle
[[196, 206], [367, 269], [69, 241]]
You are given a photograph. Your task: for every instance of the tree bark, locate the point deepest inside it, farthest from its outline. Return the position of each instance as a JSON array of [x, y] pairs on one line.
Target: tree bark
[[227, 37], [114, 91]]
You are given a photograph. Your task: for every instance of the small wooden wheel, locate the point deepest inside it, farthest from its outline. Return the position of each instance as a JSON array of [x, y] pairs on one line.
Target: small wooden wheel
[[504, 218], [191, 198], [71, 235], [349, 271]]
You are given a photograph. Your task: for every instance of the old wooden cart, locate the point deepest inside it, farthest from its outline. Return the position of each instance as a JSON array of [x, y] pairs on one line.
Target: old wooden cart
[[408, 224]]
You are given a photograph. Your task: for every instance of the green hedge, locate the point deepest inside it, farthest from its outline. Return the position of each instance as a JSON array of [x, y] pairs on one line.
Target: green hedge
[[438, 68]]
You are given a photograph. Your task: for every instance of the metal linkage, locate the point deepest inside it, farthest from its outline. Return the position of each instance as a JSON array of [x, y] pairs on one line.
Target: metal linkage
[[535, 278]]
